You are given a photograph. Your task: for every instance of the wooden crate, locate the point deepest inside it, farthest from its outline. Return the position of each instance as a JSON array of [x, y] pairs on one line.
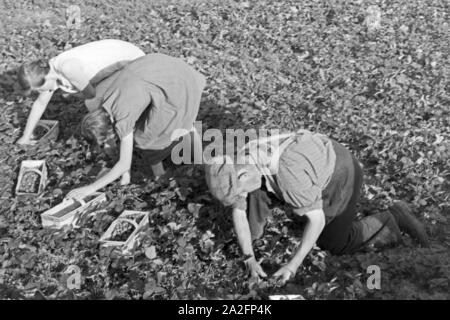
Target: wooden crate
[[36, 166], [67, 211], [128, 244], [52, 127]]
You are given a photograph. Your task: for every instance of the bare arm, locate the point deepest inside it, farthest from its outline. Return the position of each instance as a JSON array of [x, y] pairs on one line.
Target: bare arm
[[242, 229], [35, 115], [120, 168], [314, 227]]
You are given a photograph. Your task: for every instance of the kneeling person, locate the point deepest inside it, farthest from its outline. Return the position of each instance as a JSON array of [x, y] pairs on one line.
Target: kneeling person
[[320, 179]]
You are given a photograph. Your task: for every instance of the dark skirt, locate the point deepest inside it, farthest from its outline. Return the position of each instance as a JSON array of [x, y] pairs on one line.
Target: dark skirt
[[153, 157], [340, 200]]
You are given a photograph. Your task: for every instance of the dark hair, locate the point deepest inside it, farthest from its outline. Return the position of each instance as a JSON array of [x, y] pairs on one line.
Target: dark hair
[[97, 127], [32, 74]]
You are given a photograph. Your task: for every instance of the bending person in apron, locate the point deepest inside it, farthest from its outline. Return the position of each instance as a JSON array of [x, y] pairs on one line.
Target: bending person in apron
[[76, 71], [320, 179], [144, 104]]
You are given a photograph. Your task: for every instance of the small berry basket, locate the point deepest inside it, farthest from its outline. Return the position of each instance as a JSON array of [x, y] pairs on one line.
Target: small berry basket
[[46, 130], [123, 232], [32, 178], [67, 212]]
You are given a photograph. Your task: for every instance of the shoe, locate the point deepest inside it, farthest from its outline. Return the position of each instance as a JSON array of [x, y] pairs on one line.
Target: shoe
[[380, 230], [408, 223]]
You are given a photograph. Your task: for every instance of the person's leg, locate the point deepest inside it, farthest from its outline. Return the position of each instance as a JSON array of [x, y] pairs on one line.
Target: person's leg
[[408, 223], [340, 199], [340, 235], [344, 235], [376, 230], [126, 178], [158, 169], [155, 158]]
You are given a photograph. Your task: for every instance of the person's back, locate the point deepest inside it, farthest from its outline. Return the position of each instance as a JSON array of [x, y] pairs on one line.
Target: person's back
[[171, 74], [169, 86], [97, 56], [143, 106]]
